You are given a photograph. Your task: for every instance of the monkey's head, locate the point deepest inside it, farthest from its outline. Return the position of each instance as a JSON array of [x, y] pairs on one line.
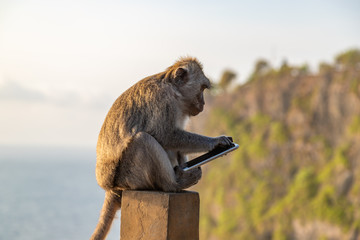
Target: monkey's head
[[188, 78]]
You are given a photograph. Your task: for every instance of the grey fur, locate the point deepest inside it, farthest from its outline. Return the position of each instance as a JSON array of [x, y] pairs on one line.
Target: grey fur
[[142, 140]]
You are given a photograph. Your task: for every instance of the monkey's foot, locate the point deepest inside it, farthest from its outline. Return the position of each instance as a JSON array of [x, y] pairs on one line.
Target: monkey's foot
[[188, 178]]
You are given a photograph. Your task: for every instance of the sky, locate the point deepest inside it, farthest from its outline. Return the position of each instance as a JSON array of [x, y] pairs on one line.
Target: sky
[[63, 63]]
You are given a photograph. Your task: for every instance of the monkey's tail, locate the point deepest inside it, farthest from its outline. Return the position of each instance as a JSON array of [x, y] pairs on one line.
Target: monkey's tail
[[111, 204]]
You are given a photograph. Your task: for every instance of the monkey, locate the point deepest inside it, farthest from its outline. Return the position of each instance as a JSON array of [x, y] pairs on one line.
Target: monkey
[[142, 142]]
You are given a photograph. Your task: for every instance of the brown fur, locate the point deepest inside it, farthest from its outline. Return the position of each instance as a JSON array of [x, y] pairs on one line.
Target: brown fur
[[142, 140]]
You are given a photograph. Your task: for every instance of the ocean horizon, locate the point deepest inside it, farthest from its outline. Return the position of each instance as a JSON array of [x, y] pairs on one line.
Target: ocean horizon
[[50, 193]]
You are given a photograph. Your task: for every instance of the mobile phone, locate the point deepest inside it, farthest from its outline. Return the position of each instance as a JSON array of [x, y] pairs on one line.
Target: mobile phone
[[209, 156]]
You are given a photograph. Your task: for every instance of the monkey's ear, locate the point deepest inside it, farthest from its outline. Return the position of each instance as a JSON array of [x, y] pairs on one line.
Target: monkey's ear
[[181, 76]]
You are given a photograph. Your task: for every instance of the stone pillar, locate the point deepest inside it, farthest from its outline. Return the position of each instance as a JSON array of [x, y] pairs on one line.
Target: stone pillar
[[148, 215]]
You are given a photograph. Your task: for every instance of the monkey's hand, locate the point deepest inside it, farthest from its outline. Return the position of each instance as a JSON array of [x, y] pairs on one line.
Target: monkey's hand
[[222, 141], [188, 178]]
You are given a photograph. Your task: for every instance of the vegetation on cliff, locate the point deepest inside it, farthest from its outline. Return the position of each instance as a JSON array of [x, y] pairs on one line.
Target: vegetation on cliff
[[297, 171]]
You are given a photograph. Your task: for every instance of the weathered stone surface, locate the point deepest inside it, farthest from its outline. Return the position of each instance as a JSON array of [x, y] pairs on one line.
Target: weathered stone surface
[[149, 215]]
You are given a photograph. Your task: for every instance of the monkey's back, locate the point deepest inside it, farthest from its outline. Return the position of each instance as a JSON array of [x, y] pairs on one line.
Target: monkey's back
[[138, 109]]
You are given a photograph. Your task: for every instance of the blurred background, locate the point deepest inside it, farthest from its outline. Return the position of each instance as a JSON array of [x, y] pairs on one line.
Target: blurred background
[[287, 88]]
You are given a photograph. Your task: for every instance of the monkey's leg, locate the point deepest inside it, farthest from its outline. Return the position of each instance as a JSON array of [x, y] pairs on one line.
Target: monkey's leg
[[188, 178], [146, 165]]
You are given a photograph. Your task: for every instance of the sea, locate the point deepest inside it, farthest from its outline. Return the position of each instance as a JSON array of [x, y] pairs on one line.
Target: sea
[[50, 193]]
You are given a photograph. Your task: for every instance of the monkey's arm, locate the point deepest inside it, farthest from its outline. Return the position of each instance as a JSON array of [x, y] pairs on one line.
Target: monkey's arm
[[181, 158], [187, 142]]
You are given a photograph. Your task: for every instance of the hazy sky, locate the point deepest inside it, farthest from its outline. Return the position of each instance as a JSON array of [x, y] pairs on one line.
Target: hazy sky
[[63, 63]]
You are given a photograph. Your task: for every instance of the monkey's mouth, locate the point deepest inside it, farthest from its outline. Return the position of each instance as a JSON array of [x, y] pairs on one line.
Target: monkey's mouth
[[195, 110]]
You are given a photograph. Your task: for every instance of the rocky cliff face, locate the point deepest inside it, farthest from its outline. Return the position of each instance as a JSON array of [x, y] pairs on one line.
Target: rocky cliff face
[[297, 171]]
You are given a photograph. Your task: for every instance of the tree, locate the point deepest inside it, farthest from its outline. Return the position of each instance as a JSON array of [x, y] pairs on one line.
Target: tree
[[227, 77], [350, 58], [261, 67]]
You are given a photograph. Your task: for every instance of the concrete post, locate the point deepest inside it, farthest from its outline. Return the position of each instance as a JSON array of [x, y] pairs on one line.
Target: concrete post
[[148, 215]]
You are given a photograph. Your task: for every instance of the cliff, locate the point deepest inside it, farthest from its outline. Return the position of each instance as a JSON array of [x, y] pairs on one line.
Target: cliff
[[297, 172]]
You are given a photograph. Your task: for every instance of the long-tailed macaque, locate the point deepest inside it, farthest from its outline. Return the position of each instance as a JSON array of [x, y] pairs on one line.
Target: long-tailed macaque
[[142, 141]]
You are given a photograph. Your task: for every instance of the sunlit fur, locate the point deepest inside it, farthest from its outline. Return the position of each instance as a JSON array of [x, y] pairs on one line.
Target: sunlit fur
[[142, 138]]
